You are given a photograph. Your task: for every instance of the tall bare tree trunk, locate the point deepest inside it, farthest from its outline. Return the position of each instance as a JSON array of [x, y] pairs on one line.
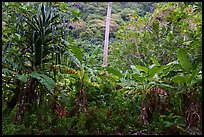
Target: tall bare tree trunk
[[105, 53]]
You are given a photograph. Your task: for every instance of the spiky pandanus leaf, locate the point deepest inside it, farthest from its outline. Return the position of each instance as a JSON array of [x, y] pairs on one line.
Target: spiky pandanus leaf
[[41, 24]]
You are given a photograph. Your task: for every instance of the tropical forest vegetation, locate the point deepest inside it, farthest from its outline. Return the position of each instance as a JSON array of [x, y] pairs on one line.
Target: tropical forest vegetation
[[101, 68]]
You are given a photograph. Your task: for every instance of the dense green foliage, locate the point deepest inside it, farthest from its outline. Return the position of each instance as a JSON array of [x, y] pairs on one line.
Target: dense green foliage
[[53, 81]]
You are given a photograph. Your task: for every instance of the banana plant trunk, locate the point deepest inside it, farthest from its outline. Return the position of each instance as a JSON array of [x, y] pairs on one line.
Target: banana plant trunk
[[105, 54], [81, 99]]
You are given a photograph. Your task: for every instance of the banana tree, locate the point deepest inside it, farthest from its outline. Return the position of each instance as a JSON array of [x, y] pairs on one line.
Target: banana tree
[[85, 72], [189, 82], [190, 71], [151, 83]]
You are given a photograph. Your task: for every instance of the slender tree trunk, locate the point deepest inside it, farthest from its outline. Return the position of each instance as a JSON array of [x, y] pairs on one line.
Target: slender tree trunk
[[105, 53]]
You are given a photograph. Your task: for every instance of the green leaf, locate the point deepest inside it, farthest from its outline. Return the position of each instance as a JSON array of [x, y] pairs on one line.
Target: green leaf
[[153, 65], [155, 70], [8, 72], [93, 55], [114, 71], [22, 78], [141, 68], [14, 65], [63, 6], [19, 36], [135, 70], [178, 79], [76, 61], [162, 85], [44, 80], [184, 59], [77, 52], [172, 63], [192, 75], [138, 78], [86, 78], [63, 98], [154, 61]]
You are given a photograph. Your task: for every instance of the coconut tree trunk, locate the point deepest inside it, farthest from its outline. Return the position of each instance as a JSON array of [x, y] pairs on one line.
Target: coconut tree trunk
[[105, 53]]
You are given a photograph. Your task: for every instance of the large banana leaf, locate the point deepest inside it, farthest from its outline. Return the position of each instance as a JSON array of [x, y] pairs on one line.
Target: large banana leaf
[[114, 71], [184, 59], [76, 61], [77, 52], [93, 55], [155, 70]]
